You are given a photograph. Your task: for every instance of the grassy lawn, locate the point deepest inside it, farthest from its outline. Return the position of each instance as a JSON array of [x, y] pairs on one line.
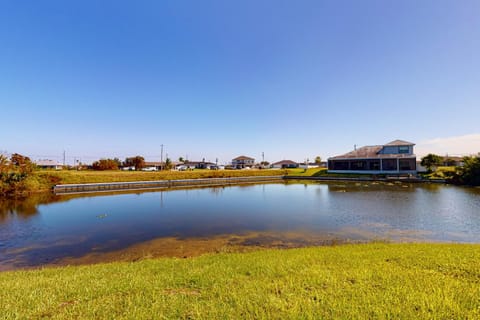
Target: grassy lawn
[[440, 173], [372, 281], [72, 176]]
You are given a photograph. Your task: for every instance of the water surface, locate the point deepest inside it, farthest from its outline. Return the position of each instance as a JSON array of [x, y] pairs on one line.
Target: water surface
[[46, 229]]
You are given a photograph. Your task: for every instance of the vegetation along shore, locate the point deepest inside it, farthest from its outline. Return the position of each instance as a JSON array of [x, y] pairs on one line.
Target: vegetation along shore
[[19, 175]]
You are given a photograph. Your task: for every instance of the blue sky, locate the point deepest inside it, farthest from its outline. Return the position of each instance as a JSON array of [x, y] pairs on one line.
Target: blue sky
[[216, 79]]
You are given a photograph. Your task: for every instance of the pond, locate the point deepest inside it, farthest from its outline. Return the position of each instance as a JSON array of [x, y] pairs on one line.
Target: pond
[[69, 229]]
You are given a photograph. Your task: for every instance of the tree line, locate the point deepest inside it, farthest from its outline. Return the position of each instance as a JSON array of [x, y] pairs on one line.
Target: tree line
[[14, 174], [467, 174], [137, 163]]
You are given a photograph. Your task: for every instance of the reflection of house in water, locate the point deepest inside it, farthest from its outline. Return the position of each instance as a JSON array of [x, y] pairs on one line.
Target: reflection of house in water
[[396, 157]]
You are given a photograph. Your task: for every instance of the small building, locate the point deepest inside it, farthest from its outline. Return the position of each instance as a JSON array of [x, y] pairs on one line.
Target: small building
[[242, 162], [48, 164], [153, 166], [396, 157], [190, 165], [452, 161], [322, 164], [158, 166], [284, 164]]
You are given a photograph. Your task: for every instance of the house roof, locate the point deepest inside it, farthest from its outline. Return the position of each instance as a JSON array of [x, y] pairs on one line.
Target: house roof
[[372, 152], [154, 163], [282, 162], [243, 158], [400, 143], [194, 163], [454, 158], [47, 163]]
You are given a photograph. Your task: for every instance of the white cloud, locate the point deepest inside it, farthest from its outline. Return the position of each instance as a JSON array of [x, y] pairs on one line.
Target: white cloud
[[456, 146]]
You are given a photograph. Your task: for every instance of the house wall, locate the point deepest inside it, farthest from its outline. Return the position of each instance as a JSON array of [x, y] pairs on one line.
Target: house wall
[[243, 163], [390, 165], [285, 166]]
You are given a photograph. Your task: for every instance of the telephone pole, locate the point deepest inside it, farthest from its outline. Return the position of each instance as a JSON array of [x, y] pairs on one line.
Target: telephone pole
[[161, 158]]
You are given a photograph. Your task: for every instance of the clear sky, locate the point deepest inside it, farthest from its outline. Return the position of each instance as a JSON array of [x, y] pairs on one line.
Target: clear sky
[[218, 79]]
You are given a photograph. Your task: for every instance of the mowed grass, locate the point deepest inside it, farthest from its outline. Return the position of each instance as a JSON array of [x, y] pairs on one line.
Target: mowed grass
[[371, 281]]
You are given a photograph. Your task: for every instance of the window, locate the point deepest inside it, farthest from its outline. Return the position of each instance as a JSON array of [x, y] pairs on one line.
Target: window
[[403, 149], [374, 165], [389, 164], [358, 165], [340, 165], [407, 164]]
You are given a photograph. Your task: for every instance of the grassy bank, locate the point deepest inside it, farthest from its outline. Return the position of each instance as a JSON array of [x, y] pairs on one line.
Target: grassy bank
[[379, 281], [72, 176]]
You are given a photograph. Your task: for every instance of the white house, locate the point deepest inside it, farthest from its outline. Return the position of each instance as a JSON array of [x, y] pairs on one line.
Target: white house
[[48, 164]]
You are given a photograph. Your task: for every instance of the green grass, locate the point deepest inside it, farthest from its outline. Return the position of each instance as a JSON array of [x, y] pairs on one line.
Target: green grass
[[372, 281], [50, 177], [440, 173]]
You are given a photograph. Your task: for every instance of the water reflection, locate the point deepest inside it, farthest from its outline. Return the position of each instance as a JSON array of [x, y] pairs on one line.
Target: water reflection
[[46, 228]]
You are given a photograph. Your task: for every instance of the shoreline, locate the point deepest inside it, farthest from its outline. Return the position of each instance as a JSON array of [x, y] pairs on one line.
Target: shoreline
[[213, 182]]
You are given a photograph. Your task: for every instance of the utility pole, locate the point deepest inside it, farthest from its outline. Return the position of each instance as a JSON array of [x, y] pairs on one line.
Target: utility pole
[[161, 158], [263, 157], [64, 158]]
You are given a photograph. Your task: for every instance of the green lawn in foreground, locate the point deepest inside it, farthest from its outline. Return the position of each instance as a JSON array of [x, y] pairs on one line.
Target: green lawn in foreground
[[373, 281]]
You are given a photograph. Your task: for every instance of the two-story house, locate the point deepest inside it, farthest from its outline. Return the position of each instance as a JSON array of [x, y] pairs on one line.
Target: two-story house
[[396, 157], [243, 162]]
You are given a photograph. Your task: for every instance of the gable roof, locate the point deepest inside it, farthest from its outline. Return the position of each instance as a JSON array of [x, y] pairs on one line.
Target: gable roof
[[372, 152], [363, 152], [282, 162], [400, 143], [243, 158], [47, 163]]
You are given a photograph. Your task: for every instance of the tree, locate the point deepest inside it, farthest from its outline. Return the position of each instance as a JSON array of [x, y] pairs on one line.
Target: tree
[[14, 174], [118, 162], [180, 159], [138, 162], [318, 159], [22, 163], [105, 164], [3, 164], [469, 174], [168, 164], [430, 161]]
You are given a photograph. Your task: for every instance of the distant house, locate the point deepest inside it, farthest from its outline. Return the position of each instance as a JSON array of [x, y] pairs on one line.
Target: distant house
[[190, 165], [48, 164], [153, 166], [284, 164], [243, 162], [396, 157], [322, 164], [452, 161]]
